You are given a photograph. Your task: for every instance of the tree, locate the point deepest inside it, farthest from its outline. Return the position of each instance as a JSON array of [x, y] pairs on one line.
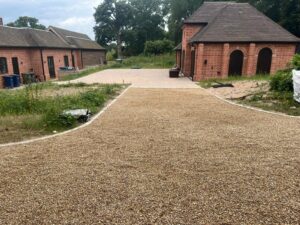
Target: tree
[[148, 24], [113, 18], [290, 16], [180, 10], [25, 21]]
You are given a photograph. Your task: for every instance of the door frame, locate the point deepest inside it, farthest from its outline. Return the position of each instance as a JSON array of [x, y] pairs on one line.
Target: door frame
[[51, 69], [233, 64], [15, 63], [261, 60]]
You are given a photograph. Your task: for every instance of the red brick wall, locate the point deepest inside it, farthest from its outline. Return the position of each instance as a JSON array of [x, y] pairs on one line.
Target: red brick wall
[[31, 60], [93, 58], [189, 30], [212, 60], [23, 56], [178, 59], [58, 56]]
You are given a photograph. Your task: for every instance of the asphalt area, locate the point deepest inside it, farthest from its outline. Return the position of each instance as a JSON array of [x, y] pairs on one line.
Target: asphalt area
[[159, 156]]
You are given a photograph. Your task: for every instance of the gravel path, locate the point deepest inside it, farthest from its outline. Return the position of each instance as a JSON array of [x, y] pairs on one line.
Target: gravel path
[[159, 156]]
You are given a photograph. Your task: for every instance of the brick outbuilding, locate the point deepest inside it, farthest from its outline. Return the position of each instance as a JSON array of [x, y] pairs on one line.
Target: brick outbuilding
[[43, 52], [222, 39]]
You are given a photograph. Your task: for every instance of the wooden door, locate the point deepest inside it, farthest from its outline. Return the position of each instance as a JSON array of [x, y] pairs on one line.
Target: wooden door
[[15, 63], [51, 66], [236, 63], [264, 61]]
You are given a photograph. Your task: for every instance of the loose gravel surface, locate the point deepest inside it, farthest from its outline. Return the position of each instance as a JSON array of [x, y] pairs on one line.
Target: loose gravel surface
[[159, 156]]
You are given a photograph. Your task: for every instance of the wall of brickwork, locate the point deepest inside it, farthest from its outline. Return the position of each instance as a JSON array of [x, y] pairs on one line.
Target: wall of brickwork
[[212, 60], [178, 59], [36, 63], [58, 56], [93, 58], [23, 56], [189, 30], [78, 59], [33, 60]]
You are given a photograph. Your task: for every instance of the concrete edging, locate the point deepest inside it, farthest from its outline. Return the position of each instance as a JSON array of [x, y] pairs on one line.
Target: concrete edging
[[72, 130], [249, 107]]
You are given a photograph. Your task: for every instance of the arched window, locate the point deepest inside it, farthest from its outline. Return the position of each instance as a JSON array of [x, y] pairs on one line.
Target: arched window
[[3, 65], [264, 61], [236, 63]]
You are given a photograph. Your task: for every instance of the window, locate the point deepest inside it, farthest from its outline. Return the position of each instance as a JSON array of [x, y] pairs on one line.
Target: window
[[66, 59], [3, 66]]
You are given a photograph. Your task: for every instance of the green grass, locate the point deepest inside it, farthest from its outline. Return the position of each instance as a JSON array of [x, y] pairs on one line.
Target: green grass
[[274, 101], [37, 109], [209, 83], [84, 73], [135, 62]]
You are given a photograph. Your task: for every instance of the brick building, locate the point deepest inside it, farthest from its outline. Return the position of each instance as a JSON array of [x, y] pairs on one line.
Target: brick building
[[225, 38], [43, 52]]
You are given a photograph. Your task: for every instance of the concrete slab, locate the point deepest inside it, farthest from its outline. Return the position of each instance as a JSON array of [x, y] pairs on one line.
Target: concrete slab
[[143, 78]]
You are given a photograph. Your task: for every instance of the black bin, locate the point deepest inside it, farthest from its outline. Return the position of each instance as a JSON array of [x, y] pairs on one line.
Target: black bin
[[28, 78], [16, 80], [174, 73], [8, 82]]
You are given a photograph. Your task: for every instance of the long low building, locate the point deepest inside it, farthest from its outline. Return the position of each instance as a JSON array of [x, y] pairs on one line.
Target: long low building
[[43, 52]]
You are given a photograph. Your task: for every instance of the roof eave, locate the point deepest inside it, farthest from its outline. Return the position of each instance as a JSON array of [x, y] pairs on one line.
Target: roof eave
[[287, 42]]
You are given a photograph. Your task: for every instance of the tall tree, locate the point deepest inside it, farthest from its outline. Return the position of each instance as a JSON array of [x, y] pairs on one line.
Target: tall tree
[[290, 16], [26, 21], [180, 10], [113, 18], [148, 24]]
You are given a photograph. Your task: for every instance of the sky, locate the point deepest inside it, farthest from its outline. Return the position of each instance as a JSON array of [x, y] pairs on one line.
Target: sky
[[75, 15]]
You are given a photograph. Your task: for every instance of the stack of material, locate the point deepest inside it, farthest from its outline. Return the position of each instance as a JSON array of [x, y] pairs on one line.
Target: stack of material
[[296, 79]]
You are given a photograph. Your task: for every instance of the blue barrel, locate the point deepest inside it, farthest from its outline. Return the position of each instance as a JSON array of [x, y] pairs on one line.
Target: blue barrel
[[8, 82], [16, 80]]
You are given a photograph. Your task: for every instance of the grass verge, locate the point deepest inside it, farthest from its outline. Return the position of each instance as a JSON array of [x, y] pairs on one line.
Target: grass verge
[[37, 109], [209, 83], [274, 101], [135, 62]]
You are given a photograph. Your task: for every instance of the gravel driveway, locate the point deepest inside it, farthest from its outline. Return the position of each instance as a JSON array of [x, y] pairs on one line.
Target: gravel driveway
[[159, 156]]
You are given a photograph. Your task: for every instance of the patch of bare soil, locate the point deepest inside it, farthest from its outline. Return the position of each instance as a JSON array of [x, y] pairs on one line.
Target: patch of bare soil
[[241, 89], [161, 156]]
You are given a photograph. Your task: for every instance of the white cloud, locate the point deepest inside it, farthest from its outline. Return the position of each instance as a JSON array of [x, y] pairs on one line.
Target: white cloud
[[76, 15]]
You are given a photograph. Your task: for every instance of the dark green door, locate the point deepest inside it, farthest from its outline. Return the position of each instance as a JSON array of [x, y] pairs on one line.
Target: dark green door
[[51, 66], [15, 63]]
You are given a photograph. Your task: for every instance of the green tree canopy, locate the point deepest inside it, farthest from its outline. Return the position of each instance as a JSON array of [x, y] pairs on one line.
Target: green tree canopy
[[113, 18], [26, 21], [148, 24]]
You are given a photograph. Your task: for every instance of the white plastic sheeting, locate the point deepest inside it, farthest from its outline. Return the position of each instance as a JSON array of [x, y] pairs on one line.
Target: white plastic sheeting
[[296, 80]]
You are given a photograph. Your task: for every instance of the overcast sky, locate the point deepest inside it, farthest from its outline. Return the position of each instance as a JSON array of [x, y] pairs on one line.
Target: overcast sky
[[76, 15]]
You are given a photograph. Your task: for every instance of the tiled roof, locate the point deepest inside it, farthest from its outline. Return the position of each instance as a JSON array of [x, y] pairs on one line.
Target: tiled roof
[[27, 37], [76, 40], [51, 38], [236, 22]]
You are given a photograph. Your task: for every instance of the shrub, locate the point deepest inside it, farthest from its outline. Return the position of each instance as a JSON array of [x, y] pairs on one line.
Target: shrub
[[158, 47], [296, 62], [282, 81], [111, 55]]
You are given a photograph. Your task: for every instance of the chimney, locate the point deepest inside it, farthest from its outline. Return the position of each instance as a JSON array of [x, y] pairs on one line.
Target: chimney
[[1, 21]]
